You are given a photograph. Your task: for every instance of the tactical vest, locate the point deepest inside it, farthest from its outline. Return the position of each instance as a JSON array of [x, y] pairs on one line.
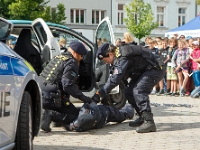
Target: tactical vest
[[53, 71], [140, 58]]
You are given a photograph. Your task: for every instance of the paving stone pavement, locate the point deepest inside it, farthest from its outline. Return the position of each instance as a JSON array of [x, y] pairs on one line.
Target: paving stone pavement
[[178, 128]]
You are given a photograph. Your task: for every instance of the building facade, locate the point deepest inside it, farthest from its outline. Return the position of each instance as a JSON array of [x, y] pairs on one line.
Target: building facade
[[85, 15]]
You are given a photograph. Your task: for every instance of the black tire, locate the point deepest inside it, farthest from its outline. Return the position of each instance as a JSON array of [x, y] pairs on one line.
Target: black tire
[[117, 100], [24, 134]]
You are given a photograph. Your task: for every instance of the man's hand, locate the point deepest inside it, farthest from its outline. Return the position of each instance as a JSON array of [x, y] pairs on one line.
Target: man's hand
[[96, 97]]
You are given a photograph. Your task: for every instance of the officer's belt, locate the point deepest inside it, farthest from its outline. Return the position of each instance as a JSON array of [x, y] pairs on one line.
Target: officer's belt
[[156, 65], [47, 95]]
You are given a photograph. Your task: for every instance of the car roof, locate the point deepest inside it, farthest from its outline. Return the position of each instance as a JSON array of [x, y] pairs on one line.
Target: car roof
[[28, 22]]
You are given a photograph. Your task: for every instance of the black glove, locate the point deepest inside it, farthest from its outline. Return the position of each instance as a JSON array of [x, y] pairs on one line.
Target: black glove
[[86, 99], [96, 98]]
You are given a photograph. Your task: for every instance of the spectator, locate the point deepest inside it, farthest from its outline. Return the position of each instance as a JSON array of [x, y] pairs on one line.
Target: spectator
[[195, 66], [62, 43], [128, 38], [180, 64], [171, 75], [182, 37], [163, 52], [154, 51], [99, 42], [118, 42]]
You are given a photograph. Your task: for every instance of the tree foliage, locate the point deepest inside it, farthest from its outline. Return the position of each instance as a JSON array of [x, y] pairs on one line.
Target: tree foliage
[[26, 9], [139, 19], [56, 15], [32, 9], [4, 11], [198, 2]]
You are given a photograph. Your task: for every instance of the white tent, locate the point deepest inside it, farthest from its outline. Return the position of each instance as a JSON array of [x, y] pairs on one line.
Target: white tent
[[192, 28]]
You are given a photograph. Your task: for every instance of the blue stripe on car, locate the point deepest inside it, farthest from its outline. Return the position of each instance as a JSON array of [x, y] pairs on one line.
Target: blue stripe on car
[[19, 67], [5, 66]]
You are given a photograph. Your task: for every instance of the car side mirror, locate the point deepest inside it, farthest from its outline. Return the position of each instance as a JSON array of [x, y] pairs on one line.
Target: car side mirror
[[5, 28]]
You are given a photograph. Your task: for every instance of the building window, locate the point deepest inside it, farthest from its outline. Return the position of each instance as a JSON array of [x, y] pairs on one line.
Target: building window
[[161, 16], [77, 16], [97, 16], [181, 16], [120, 17]]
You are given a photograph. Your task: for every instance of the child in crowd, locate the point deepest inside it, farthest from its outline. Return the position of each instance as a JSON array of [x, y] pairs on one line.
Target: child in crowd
[[163, 52], [195, 67], [154, 50], [171, 75], [180, 64]]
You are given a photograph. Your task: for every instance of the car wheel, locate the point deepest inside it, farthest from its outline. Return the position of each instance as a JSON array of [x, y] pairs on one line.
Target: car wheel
[[117, 100], [24, 134]]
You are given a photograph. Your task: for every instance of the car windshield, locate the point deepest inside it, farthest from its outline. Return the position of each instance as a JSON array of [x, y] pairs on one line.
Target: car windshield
[[3, 29]]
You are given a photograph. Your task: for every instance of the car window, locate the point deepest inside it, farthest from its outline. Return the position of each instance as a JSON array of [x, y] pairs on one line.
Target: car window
[[3, 29], [41, 33], [12, 39], [104, 33], [69, 37]]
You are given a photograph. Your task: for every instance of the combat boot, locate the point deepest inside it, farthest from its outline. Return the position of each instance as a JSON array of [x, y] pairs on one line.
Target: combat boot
[[137, 122], [148, 124], [56, 124], [46, 120]]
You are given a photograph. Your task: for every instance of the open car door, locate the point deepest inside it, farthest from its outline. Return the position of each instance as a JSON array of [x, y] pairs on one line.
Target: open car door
[[117, 95], [104, 32], [49, 44]]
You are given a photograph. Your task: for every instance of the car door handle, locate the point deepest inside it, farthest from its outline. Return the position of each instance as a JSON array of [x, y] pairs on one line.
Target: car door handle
[[53, 49]]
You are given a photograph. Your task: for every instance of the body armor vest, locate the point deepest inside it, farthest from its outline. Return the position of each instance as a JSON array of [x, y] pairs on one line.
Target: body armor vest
[[141, 59], [53, 71]]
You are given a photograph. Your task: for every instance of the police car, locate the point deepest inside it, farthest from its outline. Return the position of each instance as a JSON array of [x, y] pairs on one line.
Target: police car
[[38, 42], [20, 97]]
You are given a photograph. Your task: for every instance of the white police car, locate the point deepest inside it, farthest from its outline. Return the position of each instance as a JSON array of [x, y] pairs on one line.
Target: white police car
[[38, 42], [20, 97]]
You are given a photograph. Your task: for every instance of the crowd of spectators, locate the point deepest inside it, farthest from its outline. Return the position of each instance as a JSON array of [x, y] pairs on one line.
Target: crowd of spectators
[[181, 56]]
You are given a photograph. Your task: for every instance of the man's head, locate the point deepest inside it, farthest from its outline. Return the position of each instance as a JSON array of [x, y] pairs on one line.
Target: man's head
[[118, 42], [77, 49]]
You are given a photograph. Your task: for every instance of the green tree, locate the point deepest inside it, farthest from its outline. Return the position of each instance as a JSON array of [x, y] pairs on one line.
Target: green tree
[[198, 2], [32, 9], [26, 9], [139, 19], [4, 11], [56, 15]]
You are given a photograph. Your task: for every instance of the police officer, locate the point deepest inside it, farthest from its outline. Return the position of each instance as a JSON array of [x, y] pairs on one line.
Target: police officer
[[58, 82], [143, 68], [93, 116]]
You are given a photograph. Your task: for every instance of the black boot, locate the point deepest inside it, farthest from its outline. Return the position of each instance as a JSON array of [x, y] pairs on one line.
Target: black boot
[[137, 122], [148, 125], [46, 120], [56, 124]]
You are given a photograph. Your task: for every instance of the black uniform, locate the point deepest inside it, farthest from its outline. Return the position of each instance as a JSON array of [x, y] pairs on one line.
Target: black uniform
[[92, 116], [144, 76], [58, 82], [145, 70]]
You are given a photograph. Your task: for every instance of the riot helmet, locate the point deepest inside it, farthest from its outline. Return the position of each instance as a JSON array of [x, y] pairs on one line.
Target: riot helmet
[[89, 116]]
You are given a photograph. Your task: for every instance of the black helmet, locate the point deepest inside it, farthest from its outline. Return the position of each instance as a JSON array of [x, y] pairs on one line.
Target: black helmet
[[88, 118]]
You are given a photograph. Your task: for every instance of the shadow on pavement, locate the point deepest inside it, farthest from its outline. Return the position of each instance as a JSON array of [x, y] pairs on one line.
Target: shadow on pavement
[[176, 126], [57, 147]]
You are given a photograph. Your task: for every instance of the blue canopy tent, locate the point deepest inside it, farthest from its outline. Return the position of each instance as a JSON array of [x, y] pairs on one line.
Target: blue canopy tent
[[191, 28]]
